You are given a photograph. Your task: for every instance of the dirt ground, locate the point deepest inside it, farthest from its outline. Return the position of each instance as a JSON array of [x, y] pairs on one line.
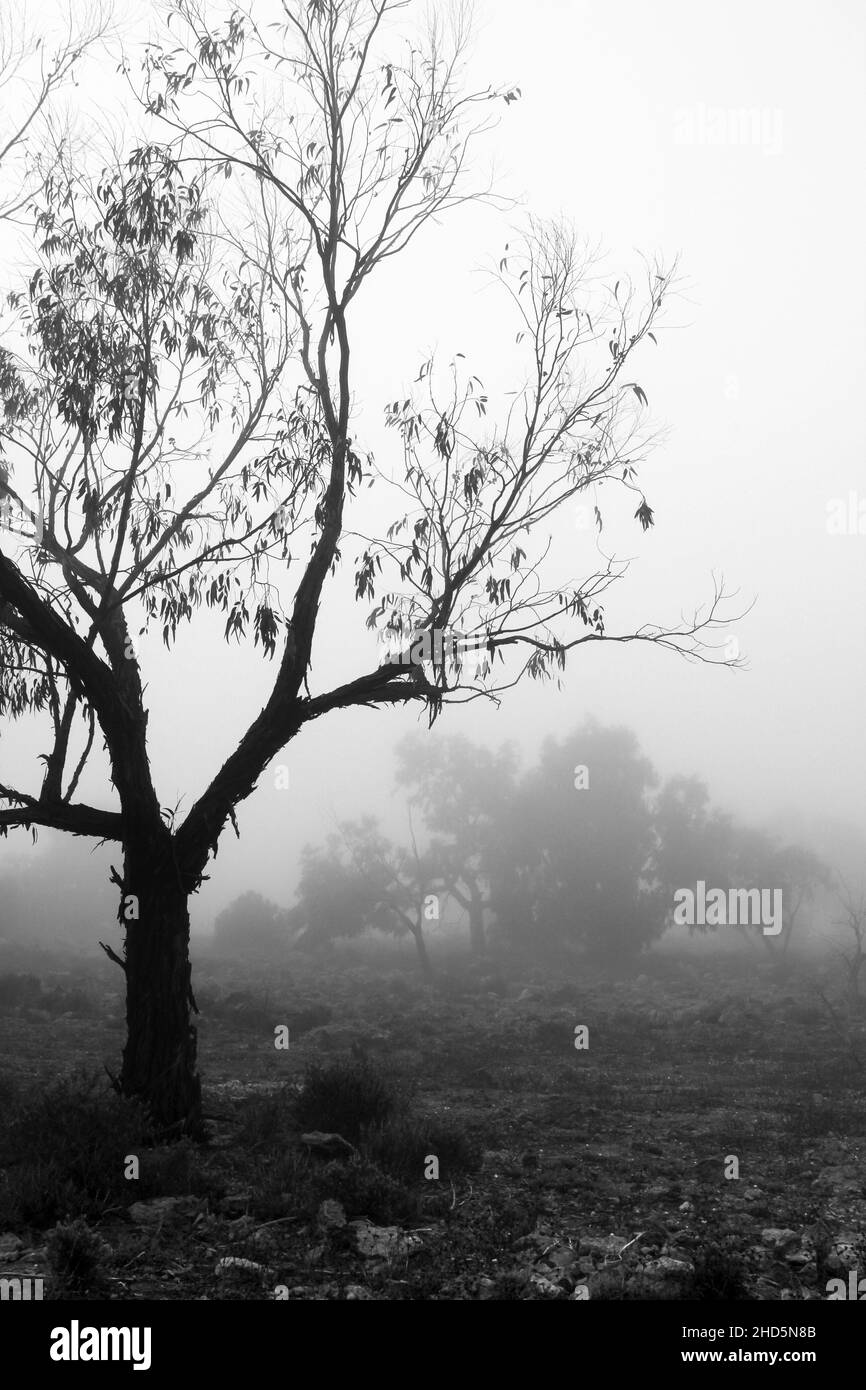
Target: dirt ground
[[707, 1142]]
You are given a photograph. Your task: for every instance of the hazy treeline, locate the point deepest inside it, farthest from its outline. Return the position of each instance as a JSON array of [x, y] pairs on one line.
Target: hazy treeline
[[581, 853]]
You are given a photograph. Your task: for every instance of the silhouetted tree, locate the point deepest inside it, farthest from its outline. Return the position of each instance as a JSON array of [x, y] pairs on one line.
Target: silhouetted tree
[[359, 880], [583, 840], [460, 790], [696, 842], [251, 924], [693, 840], [181, 392], [854, 920]]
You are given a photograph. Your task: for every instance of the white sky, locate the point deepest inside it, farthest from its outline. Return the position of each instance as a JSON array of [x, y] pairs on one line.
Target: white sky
[[758, 380]]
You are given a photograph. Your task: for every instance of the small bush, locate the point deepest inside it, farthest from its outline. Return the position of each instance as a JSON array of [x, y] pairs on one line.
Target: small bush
[[67, 1001], [719, 1275], [266, 1122], [344, 1098], [172, 1170], [75, 1256], [62, 1153], [364, 1190], [20, 991], [401, 1147]]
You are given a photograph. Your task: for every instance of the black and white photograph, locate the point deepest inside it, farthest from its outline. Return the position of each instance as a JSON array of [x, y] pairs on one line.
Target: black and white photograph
[[432, 671]]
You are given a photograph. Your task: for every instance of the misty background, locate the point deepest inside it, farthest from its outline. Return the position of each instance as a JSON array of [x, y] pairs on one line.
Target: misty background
[[736, 148]]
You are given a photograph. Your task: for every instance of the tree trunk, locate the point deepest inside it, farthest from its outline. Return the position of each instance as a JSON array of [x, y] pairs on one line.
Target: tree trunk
[[423, 958], [477, 941], [159, 1060]]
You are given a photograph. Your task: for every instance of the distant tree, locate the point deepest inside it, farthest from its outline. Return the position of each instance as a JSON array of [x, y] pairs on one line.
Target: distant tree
[[854, 957], [359, 880], [179, 388], [696, 842], [692, 840], [460, 790], [801, 875], [583, 836], [251, 925]]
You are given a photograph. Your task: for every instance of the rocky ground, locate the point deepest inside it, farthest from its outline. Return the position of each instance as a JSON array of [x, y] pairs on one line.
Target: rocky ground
[[707, 1142]]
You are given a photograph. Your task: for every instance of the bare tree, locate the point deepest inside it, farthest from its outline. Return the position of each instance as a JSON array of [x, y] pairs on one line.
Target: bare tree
[[854, 919], [184, 409]]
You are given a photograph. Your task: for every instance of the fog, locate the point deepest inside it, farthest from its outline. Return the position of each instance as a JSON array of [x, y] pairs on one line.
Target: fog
[[501, 860], [756, 383]]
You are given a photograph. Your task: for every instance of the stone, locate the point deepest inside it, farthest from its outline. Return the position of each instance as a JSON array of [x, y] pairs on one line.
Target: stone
[[546, 1287], [232, 1263], [155, 1212], [381, 1242], [327, 1145], [780, 1241], [667, 1265], [235, 1204], [331, 1215], [608, 1248]]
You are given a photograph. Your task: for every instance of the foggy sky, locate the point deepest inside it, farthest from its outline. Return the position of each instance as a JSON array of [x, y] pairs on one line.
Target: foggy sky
[[757, 381]]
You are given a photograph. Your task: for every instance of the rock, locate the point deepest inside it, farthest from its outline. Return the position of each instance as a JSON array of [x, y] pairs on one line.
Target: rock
[[331, 1215], [781, 1241], [846, 1244], [659, 1191], [381, 1242], [668, 1266], [327, 1145], [358, 1291], [235, 1204], [231, 1263], [545, 1287], [843, 1255], [155, 1212], [686, 1207], [609, 1248], [561, 1258]]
